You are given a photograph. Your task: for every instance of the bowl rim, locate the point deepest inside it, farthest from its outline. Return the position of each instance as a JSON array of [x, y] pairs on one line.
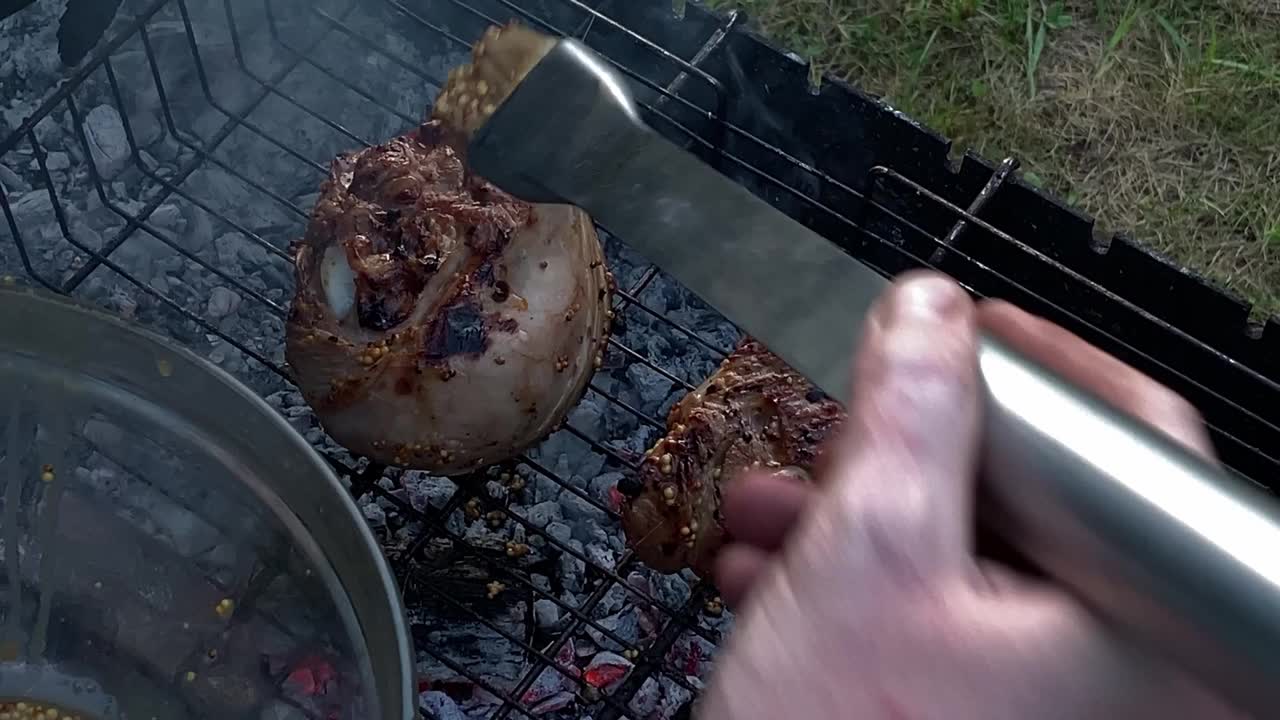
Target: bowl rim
[[106, 346]]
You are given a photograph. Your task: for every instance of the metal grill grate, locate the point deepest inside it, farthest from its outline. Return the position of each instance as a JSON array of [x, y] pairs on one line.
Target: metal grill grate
[[232, 104]]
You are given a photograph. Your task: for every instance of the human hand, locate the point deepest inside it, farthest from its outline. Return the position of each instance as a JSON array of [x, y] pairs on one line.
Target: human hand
[[862, 597]]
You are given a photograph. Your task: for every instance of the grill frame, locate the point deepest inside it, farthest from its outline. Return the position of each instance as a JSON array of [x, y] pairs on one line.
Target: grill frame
[[880, 185]]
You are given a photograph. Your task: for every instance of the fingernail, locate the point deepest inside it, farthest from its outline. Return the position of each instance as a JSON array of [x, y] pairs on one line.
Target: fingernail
[[931, 299]]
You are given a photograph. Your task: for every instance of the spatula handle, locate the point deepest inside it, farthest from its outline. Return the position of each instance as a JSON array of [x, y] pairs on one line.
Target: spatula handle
[[1165, 545]]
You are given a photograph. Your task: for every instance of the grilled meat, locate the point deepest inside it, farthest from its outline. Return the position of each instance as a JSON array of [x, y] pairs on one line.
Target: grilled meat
[[754, 412], [439, 323]]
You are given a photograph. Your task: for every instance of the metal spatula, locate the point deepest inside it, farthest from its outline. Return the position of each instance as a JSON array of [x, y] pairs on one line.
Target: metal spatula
[[1165, 545]]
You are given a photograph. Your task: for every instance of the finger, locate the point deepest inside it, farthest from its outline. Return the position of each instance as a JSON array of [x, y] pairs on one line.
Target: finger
[[738, 568], [902, 480], [998, 578], [1091, 369], [761, 508]]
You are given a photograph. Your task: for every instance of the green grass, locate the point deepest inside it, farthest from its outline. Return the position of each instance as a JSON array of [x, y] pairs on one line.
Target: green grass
[[1159, 117]]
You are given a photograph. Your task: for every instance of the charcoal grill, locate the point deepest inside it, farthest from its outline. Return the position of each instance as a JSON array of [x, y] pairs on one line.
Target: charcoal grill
[[229, 114]]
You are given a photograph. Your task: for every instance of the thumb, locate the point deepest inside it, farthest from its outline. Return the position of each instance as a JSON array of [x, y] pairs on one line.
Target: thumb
[[899, 494]]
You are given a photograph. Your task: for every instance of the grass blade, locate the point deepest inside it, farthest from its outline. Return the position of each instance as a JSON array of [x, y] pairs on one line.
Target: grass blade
[[1183, 49], [1123, 29]]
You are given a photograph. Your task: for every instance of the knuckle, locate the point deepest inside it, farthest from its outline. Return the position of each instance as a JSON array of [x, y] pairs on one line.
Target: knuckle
[[1176, 417], [1165, 408]]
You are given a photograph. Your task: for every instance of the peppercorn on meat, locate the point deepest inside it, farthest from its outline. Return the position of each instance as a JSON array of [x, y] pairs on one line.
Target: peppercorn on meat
[[754, 412]]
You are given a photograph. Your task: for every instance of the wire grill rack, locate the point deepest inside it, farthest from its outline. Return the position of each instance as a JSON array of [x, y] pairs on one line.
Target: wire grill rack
[[835, 159]]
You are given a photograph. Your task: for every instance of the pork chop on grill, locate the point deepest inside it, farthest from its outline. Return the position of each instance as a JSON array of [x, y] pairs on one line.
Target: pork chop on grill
[[755, 411], [439, 323]]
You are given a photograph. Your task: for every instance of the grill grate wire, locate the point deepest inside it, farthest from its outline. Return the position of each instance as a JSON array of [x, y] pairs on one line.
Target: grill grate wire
[[670, 101]]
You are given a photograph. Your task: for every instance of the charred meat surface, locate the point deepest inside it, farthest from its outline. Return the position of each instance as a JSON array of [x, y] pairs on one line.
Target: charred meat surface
[[438, 323], [755, 411]]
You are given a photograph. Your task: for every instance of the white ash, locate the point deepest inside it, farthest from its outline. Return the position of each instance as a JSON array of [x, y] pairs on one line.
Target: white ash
[[572, 568], [617, 595], [11, 182], [601, 556], [561, 532], [589, 467], [496, 490], [645, 702], [56, 161], [672, 590], [624, 625], [544, 514], [439, 706], [480, 535], [581, 514], [551, 684], [588, 417], [33, 209], [29, 61], [104, 133], [554, 703], [600, 542], [603, 484], [481, 705], [674, 697], [546, 613], [476, 646], [377, 509], [547, 488], [612, 663], [428, 491], [222, 302], [692, 655], [374, 514], [659, 697]]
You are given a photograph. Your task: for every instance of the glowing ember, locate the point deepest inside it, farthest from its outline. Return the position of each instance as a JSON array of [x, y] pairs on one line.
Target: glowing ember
[[553, 682], [312, 677], [606, 669], [615, 499]]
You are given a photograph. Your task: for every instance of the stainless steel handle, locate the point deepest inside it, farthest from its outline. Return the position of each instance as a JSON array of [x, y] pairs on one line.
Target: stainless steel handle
[[1163, 544]]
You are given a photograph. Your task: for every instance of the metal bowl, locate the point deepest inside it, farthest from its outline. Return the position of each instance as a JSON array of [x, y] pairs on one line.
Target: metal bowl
[[169, 546]]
